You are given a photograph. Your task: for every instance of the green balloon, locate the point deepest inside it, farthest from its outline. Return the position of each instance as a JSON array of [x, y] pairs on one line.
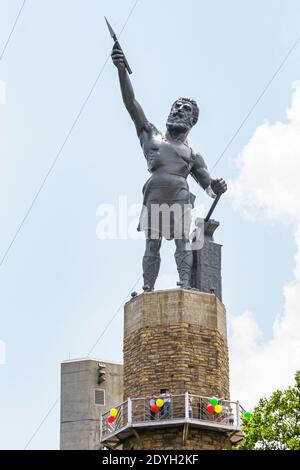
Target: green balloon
[[214, 401], [247, 415]]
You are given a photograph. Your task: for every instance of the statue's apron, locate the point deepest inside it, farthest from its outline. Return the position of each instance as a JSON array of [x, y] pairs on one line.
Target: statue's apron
[[167, 200]]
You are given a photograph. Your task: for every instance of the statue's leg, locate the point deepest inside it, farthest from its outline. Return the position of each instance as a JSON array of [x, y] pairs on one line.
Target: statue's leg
[[151, 263], [184, 261]]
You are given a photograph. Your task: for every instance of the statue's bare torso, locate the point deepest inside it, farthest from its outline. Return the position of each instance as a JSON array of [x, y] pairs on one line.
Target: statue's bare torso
[[169, 163]]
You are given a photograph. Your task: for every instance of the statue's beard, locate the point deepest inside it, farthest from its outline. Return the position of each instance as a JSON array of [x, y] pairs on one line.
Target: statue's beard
[[178, 123]]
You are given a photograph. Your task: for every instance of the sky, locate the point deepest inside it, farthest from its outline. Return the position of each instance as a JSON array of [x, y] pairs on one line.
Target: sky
[[59, 284]]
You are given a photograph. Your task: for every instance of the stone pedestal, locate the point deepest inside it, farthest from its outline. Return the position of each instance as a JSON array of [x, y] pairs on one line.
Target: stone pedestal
[[176, 340]]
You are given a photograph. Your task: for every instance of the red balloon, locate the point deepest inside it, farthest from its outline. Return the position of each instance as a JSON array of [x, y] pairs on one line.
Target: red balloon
[[210, 408], [154, 408], [111, 419]]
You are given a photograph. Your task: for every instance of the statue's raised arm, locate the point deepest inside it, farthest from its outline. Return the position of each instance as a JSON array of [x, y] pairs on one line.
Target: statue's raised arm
[[133, 107]]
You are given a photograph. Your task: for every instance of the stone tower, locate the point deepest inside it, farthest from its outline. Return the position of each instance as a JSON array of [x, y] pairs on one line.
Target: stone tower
[[175, 340]]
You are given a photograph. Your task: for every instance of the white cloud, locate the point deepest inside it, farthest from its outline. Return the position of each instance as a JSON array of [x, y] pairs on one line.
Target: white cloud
[[268, 186], [269, 169]]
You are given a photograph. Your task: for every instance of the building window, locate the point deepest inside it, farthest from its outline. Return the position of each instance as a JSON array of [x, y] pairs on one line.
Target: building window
[[99, 397]]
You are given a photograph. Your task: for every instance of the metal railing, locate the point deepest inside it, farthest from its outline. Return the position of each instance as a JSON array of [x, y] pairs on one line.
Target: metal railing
[[121, 420], [231, 414], [173, 409], [184, 407]]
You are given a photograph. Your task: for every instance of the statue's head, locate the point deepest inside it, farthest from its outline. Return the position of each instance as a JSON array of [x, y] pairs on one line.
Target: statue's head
[[184, 115]]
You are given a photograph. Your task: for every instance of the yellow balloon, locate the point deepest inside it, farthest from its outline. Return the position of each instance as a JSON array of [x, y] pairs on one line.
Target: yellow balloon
[[218, 409], [113, 412], [160, 402]]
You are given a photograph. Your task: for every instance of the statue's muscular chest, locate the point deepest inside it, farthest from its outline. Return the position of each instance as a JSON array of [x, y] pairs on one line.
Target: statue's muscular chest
[[163, 153]]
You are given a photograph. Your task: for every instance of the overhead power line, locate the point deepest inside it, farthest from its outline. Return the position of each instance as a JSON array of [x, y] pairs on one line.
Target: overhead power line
[[12, 30], [57, 156], [260, 96]]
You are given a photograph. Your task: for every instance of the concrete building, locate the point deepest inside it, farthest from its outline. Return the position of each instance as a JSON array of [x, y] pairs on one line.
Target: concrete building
[[88, 388]]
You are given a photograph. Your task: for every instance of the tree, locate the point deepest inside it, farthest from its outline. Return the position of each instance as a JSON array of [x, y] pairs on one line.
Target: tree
[[275, 423]]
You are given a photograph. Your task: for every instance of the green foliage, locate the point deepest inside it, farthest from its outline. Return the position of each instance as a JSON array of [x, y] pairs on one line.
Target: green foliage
[[275, 423]]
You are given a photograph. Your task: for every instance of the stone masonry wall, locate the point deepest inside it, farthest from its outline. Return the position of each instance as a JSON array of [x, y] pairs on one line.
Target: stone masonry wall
[[181, 357], [172, 438], [183, 349]]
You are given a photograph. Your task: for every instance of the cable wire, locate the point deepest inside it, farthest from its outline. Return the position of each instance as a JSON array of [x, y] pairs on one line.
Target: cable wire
[[12, 30], [256, 102], [54, 162]]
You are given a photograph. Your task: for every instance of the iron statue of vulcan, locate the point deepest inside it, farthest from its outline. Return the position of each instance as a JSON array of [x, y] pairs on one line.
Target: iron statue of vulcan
[[170, 161]]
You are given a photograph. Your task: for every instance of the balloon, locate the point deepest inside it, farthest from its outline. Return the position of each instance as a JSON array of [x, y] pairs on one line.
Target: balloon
[[214, 401], [154, 408], [111, 419], [113, 412], [210, 408], [247, 415], [160, 402], [218, 409]]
